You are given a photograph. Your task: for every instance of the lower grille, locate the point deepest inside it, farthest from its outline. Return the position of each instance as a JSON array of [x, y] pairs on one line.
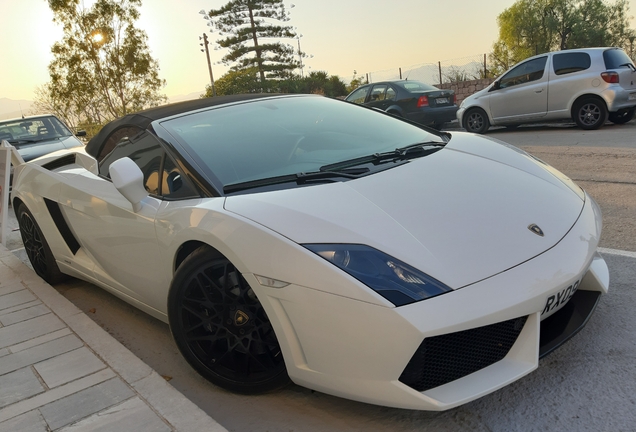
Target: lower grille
[[442, 359]]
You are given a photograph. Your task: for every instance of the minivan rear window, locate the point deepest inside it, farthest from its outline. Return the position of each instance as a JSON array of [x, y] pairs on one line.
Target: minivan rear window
[[616, 58], [566, 63]]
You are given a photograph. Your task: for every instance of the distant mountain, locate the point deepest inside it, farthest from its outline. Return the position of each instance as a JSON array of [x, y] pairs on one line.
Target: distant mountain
[[10, 108]]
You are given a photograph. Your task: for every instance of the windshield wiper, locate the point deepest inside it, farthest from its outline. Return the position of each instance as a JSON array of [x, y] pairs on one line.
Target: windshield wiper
[[402, 153], [298, 178], [629, 65]]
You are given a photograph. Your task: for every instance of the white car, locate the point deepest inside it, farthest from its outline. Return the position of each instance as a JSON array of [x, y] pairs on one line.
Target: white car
[[587, 85], [308, 239]]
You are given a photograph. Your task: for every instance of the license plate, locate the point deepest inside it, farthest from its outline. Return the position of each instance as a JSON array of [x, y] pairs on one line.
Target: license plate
[[632, 96], [556, 301], [445, 100]]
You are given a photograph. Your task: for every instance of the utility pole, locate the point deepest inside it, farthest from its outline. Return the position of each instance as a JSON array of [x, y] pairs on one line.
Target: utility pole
[[207, 55]]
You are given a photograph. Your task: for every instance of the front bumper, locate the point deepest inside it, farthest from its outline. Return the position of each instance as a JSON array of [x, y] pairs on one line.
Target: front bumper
[[359, 350]]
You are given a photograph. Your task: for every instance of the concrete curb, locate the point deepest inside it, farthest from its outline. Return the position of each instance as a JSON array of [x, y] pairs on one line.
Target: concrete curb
[[168, 403]]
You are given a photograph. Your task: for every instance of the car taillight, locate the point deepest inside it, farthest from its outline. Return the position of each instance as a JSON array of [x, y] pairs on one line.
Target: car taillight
[[610, 77], [422, 101], [454, 99]]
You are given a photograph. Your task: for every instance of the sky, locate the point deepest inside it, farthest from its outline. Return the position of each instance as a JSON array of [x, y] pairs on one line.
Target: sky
[[342, 35]]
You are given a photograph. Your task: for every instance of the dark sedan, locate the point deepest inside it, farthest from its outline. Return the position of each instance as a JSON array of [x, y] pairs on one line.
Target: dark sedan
[[413, 100], [38, 135]]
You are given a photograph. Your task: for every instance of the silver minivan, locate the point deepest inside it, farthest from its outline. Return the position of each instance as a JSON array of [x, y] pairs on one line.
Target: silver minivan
[[588, 85]]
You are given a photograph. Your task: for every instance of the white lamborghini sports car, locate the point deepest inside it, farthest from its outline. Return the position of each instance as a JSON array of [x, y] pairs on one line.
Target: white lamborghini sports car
[[296, 237]]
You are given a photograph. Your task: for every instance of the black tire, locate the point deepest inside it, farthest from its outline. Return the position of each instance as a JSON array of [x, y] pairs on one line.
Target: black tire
[[622, 117], [590, 113], [36, 247], [221, 328], [476, 121]]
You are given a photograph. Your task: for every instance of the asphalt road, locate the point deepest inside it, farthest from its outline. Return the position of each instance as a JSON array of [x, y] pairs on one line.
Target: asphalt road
[[589, 384]]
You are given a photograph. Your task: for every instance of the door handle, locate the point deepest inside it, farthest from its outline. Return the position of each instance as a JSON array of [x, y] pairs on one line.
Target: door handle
[[538, 91]]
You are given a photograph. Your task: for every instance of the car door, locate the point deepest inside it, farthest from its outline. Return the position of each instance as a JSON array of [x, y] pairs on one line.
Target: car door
[[522, 93], [377, 97], [121, 242]]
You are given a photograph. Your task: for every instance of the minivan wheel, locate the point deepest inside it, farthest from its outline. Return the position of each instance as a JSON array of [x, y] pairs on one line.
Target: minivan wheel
[[622, 117], [476, 121], [590, 113]]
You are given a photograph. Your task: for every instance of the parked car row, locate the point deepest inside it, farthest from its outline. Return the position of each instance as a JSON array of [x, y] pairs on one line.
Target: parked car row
[[588, 86], [306, 239], [302, 238]]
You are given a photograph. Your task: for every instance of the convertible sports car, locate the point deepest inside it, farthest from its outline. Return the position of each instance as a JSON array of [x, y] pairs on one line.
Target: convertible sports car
[[299, 237]]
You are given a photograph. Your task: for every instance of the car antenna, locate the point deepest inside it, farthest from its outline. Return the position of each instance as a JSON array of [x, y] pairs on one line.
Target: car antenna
[[21, 112], [407, 75]]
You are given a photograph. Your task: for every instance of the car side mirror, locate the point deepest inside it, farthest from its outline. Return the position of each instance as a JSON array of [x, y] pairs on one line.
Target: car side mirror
[[129, 181], [80, 133], [495, 86]]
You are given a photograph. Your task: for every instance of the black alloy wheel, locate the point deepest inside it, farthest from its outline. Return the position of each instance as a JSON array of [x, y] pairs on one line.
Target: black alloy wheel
[[221, 327], [36, 247], [622, 117], [476, 121], [590, 113]]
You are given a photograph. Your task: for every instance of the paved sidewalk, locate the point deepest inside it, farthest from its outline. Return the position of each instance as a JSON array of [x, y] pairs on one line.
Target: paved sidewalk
[[59, 371]]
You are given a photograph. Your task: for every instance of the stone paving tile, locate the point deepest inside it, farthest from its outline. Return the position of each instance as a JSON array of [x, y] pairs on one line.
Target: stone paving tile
[[31, 421], [15, 298], [36, 354], [23, 315], [7, 276], [132, 415], [4, 352], [9, 288], [171, 405], [40, 340], [85, 403], [55, 394], [4, 312], [120, 359], [53, 300], [18, 385], [68, 367], [23, 331]]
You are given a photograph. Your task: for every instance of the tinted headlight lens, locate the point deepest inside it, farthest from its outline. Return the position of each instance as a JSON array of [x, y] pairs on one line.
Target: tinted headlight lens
[[394, 280]]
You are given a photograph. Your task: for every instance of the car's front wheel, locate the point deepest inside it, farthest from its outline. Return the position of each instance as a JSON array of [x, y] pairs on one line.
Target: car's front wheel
[[590, 113], [221, 328], [476, 121], [36, 247], [621, 117]]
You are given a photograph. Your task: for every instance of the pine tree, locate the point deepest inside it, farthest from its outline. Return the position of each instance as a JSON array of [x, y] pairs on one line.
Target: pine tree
[[244, 24]]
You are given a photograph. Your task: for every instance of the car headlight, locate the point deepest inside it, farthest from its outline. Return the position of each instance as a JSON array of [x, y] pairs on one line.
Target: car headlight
[[394, 280]]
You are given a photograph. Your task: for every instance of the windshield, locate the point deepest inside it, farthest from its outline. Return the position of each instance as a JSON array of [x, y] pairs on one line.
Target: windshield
[[32, 130], [290, 135]]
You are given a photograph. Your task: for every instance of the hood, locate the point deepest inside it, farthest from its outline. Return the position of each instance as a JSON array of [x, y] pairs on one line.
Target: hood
[[460, 215], [30, 151]]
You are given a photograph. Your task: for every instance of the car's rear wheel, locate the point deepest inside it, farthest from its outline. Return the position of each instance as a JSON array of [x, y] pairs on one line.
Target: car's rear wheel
[[476, 121], [621, 117], [36, 247], [221, 328], [590, 113]]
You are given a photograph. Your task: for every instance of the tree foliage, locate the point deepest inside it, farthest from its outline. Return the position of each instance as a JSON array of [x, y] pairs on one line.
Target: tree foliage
[[245, 24], [532, 27], [247, 81], [102, 67]]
